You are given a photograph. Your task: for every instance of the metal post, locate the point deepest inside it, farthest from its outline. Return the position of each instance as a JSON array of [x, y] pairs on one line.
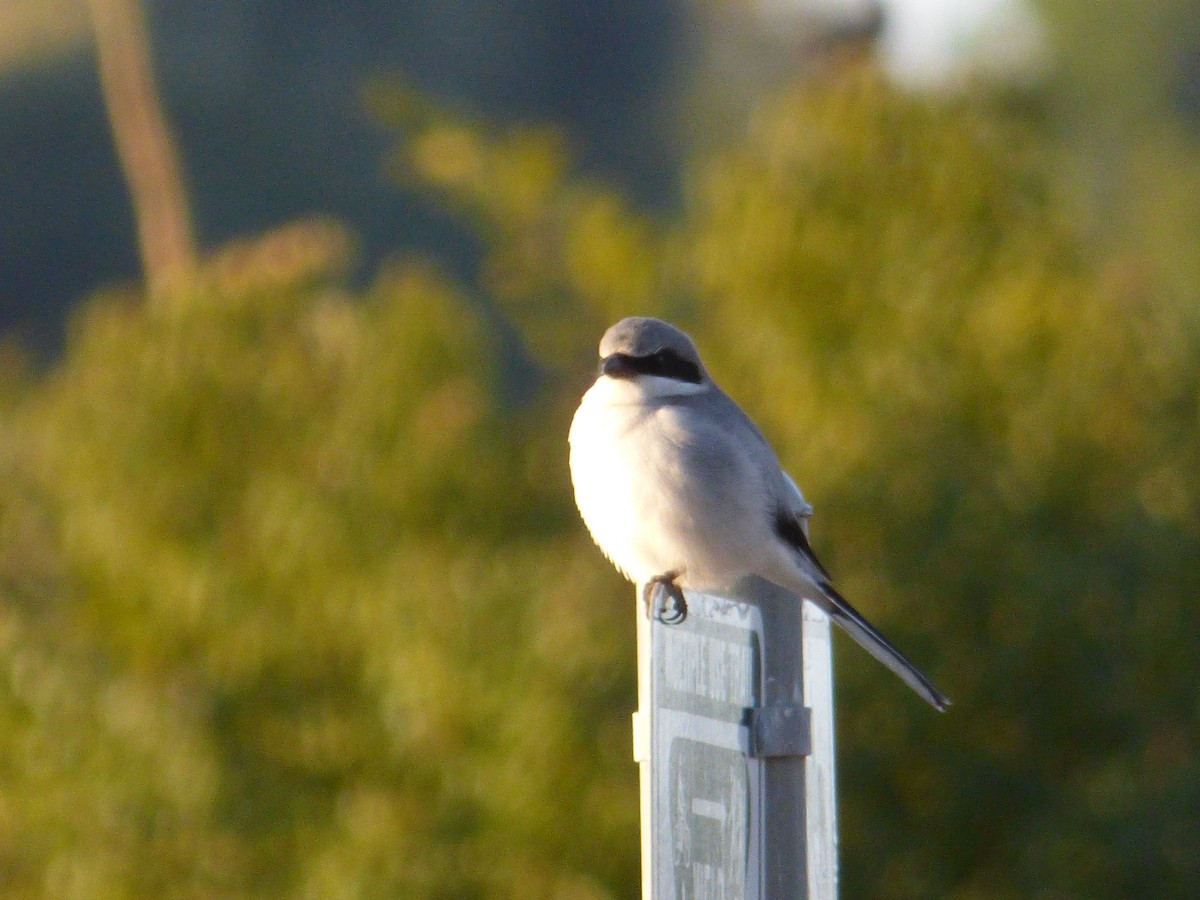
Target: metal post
[[734, 736]]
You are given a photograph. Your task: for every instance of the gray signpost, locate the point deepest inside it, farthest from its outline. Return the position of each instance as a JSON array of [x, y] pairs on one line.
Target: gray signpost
[[734, 736]]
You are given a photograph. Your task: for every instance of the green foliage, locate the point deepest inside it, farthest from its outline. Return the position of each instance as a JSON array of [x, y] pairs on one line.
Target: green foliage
[[1002, 445], [306, 633], [294, 602]]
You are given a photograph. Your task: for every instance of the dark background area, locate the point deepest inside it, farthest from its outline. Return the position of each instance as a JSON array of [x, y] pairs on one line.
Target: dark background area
[[266, 99]]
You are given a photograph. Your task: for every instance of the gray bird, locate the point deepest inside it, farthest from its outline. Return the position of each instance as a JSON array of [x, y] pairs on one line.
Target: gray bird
[[680, 489]]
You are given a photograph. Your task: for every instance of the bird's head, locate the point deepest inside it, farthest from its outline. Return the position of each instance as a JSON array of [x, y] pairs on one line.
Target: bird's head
[[653, 353]]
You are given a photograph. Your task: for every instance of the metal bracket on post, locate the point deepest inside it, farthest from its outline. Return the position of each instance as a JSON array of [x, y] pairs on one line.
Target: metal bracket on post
[[779, 730], [734, 737]]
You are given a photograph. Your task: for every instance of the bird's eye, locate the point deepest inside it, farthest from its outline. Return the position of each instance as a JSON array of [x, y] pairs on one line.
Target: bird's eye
[[664, 363], [670, 364]]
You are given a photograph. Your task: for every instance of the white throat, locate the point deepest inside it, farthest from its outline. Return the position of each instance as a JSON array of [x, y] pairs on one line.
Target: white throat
[[643, 388]]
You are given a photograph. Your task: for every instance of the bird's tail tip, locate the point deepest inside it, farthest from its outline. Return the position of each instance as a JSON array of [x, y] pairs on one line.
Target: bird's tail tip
[[940, 701]]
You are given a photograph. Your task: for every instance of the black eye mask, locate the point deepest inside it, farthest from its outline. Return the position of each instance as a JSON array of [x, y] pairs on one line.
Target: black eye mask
[[663, 363]]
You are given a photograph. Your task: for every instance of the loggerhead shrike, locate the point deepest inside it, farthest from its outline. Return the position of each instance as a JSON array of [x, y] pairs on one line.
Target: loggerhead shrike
[[680, 489]]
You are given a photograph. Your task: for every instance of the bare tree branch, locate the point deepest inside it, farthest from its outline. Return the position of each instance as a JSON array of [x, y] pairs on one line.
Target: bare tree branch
[[144, 142]]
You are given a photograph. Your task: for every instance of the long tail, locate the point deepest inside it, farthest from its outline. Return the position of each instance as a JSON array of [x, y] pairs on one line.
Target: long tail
[[869, 638], [806, 573]]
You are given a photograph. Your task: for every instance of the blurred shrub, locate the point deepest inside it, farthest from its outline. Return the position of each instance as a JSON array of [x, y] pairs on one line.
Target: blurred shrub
[[293, 611], [295, 602], [1000, 438]]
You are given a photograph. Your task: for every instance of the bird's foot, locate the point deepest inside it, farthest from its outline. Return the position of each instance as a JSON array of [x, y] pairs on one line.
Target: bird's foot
[[664, 599]]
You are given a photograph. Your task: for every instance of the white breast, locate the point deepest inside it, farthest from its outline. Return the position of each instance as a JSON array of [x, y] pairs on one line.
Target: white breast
[[646, 508], [608, 475]]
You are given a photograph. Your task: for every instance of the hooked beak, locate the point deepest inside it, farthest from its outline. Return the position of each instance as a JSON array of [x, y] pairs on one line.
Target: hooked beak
[[617, 366]]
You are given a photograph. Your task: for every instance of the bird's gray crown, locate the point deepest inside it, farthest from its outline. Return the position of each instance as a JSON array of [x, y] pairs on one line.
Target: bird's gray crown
[[641, 336]]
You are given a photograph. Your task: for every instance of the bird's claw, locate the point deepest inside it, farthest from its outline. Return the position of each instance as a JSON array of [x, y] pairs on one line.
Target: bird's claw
[[673, 608]]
